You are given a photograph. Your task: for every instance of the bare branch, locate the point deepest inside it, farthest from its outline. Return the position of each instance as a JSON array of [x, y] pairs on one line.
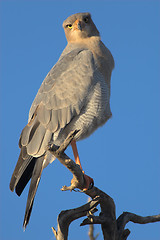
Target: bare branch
[[125, 234], [66, 217], [112, 229], [109, 226], [91, 219], [91, 233], [106, 202], [78, 177], [131, 217], [54, 231], [91, 226]]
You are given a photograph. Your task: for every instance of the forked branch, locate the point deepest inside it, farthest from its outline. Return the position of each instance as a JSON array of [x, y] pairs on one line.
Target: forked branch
[[112, 229], [66, 217]]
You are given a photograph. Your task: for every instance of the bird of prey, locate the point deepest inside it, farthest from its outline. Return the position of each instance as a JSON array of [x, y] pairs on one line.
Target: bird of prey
[[75, 95]]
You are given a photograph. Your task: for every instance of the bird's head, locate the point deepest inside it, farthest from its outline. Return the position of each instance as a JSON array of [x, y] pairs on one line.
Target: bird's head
[[79, 26]]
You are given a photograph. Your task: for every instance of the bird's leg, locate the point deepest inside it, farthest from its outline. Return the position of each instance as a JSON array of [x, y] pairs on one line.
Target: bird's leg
[[88, 180], [75, 152]]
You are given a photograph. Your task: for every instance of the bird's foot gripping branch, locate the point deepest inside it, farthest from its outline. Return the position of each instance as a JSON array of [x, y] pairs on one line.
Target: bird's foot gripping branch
[[78, 180], [112, 228]]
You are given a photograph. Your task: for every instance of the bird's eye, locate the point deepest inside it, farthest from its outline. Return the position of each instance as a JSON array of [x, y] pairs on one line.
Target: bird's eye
[[69, 26], [86, 19]]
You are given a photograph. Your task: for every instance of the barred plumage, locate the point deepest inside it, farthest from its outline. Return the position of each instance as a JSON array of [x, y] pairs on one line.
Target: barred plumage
[[74, 95]]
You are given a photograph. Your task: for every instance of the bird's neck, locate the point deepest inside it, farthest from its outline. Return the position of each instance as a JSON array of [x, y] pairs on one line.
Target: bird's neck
[[91, 43], [101, 53]]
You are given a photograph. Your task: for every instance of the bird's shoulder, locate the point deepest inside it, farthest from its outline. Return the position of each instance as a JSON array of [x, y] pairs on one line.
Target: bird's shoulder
[[68, 80]]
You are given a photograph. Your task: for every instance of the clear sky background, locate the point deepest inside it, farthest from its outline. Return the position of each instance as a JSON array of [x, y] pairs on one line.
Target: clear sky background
[[123, 156]]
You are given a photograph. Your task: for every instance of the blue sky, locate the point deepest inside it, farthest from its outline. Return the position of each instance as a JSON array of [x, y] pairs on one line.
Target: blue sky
[[123, 156]]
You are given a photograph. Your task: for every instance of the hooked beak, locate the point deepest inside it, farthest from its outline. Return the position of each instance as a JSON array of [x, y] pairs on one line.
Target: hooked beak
[[78, 25]]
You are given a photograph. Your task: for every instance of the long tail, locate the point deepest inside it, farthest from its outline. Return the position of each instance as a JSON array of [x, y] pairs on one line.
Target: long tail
[[36, 175], [27, 168]]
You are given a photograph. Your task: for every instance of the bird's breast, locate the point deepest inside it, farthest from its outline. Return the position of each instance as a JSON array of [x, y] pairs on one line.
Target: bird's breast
[[96, 113], [93, 115]]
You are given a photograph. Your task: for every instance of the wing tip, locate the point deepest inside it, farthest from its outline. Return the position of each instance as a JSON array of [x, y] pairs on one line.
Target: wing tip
[[24, 225], [12, 183]]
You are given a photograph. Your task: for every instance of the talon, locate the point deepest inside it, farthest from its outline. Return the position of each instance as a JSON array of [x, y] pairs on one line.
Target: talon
[[89, 182], [91, 220], [90, 213]]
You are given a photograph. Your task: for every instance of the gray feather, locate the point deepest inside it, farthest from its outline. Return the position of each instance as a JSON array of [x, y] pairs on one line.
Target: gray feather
[[36, 140], [43, 115], [24, 152], [74, 95], [54, 123], [15, 173], [22, 169], [19, 170], [33, 188], [65, 89], [24, 139], [45, 141], [63, 116]]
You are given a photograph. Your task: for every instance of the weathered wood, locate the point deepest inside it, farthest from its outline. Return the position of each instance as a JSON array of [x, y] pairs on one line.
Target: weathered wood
[[112, 229], [66, 217], [126, 217]]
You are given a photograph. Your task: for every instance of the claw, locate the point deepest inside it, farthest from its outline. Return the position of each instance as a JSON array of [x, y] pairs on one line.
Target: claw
[[89, 182]]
